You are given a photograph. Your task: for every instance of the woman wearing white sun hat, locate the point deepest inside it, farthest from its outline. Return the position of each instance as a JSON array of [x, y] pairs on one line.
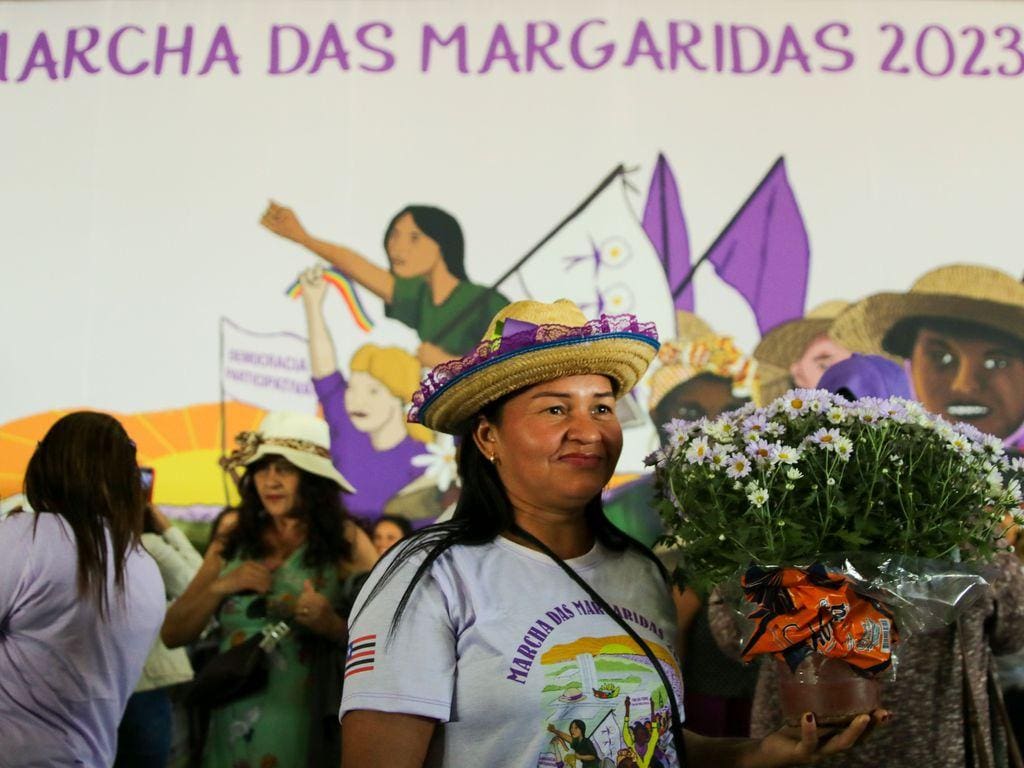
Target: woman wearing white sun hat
[[283, 556]]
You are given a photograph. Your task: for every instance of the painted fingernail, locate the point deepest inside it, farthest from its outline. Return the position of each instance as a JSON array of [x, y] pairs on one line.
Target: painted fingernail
[[887, 717], [809, 718]]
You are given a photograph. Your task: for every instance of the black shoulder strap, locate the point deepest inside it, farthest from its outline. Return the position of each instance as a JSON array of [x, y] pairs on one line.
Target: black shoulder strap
[[677, 723]]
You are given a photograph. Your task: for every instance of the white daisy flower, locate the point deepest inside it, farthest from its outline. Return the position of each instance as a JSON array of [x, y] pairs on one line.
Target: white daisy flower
[[439, 462], [738, 466], [758, 496], [699, 451]]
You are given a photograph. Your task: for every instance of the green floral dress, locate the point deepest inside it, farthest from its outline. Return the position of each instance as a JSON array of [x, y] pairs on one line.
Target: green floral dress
[[269, 729]]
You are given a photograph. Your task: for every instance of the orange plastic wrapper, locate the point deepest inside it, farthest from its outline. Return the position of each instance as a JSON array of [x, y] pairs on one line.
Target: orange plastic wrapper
[[803, 611]]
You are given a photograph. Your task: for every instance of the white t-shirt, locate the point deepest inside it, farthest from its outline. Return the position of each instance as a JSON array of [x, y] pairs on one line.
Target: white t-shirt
[[503, 648]]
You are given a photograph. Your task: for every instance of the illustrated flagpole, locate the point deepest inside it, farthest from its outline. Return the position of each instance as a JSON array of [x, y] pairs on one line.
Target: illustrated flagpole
[[725, 230], [616, 173]]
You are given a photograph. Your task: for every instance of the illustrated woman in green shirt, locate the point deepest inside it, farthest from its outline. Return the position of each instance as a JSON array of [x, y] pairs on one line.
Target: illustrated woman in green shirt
[[426, 287]]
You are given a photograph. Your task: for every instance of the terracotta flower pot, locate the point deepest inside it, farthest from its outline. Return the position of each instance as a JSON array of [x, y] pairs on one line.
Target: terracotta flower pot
[[827, 687]]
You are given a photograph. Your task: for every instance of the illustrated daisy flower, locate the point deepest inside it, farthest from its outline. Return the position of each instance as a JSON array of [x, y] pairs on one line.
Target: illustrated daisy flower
[[794, 474], [835, 415], [738, 466], [439, 462]]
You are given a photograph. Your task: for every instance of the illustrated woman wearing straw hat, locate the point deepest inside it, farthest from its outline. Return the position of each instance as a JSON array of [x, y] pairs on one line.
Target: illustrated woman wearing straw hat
[[961, 330], [798, 352], [284, 556], [529, 609]]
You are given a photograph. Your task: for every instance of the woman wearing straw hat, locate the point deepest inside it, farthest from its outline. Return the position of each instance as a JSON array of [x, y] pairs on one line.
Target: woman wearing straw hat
[[470, 636], [799, 351], [284, 556], [961, 330]]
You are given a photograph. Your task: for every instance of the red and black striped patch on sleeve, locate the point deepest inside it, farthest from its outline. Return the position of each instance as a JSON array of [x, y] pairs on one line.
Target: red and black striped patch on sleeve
[[361, 654]]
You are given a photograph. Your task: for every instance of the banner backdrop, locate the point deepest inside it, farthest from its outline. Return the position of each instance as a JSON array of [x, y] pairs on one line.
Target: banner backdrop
[[757, 166]]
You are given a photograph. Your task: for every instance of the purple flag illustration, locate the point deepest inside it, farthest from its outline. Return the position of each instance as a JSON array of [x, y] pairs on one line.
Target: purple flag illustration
[[665, 226], [764, 253]]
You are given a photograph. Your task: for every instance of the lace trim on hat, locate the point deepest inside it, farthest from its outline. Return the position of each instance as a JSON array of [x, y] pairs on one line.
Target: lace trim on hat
[[490, 350]]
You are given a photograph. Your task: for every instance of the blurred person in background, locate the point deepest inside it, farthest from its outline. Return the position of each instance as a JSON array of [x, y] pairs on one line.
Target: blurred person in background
[[285, 555], [389, 530], [144, 736], [80, 600]]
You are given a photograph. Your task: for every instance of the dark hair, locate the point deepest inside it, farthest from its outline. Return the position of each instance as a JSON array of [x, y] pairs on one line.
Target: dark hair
[[403, 524], [84, 470], [664, 411], [318, 505], [482, 512], [900, 339], [216, 522], [441, 227], [579, 724]]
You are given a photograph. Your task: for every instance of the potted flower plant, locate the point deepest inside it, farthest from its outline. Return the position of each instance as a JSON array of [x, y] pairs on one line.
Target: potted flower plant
[[834, 517]]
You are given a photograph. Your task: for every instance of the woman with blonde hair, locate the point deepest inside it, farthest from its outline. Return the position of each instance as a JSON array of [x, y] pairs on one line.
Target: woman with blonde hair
[[366, 413]]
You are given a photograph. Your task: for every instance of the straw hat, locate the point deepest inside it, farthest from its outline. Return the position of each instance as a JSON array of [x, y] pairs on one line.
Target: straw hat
[[784, 344], [302, 439], [967, 292], [529, 342], [709, 354]]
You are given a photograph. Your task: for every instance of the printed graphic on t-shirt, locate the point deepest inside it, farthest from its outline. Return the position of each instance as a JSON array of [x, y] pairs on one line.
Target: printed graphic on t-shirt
[[606, 706]]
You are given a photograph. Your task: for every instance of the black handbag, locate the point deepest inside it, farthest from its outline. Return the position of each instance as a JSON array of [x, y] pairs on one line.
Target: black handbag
[[238, 672]]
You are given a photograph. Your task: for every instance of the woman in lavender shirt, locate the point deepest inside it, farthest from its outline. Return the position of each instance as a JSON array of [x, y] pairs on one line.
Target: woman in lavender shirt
[[80, 600]]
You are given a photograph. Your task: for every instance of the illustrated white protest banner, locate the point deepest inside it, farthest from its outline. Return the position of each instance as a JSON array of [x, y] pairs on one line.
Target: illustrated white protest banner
[[268, 370]]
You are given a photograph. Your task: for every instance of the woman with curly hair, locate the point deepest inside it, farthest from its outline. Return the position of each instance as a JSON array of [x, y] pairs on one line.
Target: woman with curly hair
[[285, 555]]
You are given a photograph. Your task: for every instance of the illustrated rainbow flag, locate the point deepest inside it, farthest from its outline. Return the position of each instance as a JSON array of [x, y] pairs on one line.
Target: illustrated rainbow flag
[[347, 291]]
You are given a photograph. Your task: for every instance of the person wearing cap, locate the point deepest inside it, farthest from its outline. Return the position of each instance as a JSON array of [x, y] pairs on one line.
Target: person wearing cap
[[866, 376], [800, 351], [283, 556], [960, 329], [529, 608]]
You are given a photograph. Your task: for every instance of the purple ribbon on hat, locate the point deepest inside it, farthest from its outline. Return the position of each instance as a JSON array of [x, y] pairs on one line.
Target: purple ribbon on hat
[[511, 329]]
